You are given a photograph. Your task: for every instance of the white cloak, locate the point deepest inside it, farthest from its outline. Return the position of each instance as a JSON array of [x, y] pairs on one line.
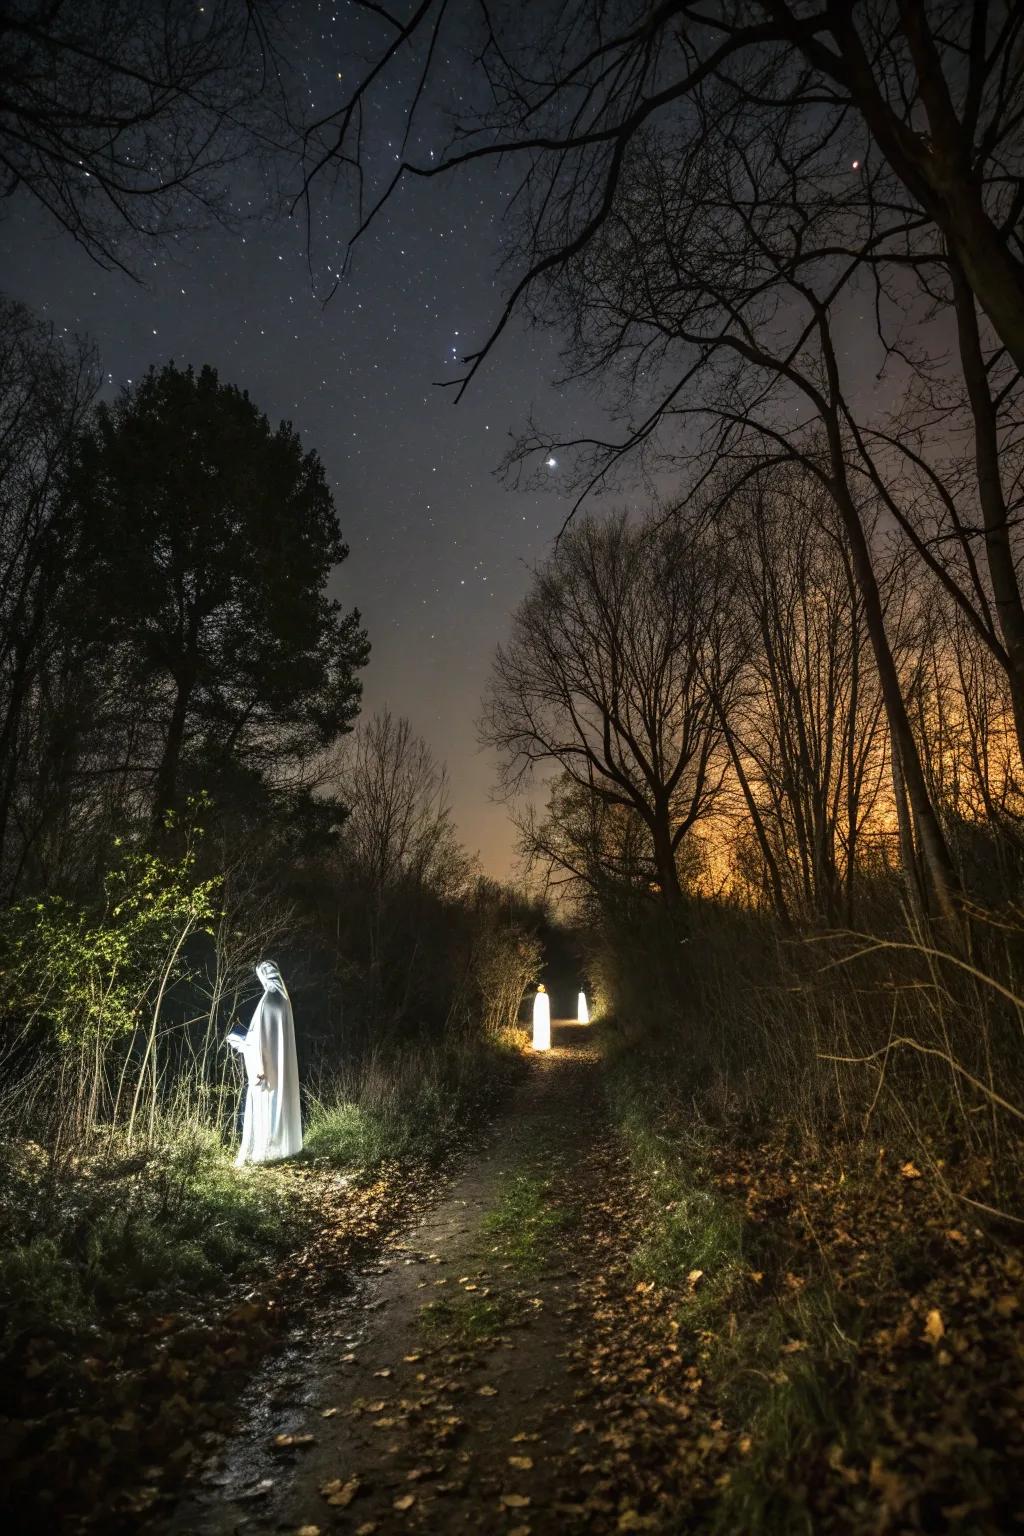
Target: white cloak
[[542, 1022], [272, 1123], [582, 1011]]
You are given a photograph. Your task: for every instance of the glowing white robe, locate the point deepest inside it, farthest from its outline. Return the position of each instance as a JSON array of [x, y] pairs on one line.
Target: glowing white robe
[[272, 1123], [542, 1022], [582, 1011]]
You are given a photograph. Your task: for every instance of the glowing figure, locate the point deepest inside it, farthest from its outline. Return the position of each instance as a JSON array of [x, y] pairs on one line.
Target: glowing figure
[[582, 1011], [541, 1020], [272, 1123]]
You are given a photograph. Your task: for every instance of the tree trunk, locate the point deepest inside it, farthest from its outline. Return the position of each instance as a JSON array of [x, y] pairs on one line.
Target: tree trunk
[[770, 862], [166, 790], [936, 169], [1001, 565], [665, 859]]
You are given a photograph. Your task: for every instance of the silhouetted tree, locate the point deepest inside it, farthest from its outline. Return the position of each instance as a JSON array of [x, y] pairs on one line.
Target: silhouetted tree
[[46, 389], [210, 539], [121, 117], [606, 679]]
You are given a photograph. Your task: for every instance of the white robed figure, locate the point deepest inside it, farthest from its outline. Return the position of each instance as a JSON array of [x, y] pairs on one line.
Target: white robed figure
[[582, 1011], [541, 1020], [271, 1124]]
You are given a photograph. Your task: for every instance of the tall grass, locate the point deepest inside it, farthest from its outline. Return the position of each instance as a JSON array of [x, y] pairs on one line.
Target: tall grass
[[833, 1036], [412, 1102]]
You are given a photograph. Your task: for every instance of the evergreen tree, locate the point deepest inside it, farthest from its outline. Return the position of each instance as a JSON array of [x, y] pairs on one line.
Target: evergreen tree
[[209, 540]]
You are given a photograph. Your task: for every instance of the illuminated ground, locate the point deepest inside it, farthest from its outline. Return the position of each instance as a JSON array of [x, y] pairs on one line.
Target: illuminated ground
[[443, 1395]]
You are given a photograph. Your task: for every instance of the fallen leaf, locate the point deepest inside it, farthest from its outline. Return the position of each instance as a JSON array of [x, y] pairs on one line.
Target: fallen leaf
[[515, 1500], [340, 1493], [285, 1442], [909, 1171], [521, 1463], [486, 1391], [691, 1280], [328, 1413], [934, 1328], [404, 1501], [385, 1372]]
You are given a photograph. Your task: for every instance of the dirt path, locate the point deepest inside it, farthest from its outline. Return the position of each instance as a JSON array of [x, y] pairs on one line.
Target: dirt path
[[441, 1396]]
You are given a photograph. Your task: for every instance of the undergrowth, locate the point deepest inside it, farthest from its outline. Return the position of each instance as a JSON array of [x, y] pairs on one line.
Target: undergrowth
[[835, 1400], [122, 1226], [411, 1105]]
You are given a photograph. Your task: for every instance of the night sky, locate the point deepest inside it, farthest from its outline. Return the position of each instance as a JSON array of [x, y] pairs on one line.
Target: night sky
[[439, 548]]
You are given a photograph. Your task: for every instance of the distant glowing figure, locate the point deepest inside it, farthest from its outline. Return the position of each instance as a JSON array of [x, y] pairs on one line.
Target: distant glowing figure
[[582, 1012], [272, 1124], [541, 1020]]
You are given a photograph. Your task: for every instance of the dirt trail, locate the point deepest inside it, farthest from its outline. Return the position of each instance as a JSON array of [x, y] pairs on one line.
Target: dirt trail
[[440, 1395]]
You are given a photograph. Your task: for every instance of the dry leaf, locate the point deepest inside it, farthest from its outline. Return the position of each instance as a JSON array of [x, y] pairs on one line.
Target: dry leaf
[[285, 1442], [328, 1413], [515, 1500], [521, 1463], [367, 1528], [340, 1493], [909, 1171], [691, 1279], [385, 1372], [486, 1391], [404, 1501], [934, 1328]]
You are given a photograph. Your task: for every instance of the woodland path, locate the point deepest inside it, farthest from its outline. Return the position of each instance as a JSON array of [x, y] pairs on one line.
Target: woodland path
[[443, 1394]]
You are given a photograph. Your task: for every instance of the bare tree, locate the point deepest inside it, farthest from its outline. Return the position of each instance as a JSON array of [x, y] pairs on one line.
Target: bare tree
[[825, 110], [46, 389], [399, 825], [121, 117], [930, 89], [808, 721], [604, 678]]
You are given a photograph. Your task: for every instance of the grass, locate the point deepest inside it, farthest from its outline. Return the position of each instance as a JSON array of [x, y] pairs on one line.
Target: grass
[[823, 1418], [177, 1218], [467, 1320], [526, 1221], [412, 1105], [116, 1225]]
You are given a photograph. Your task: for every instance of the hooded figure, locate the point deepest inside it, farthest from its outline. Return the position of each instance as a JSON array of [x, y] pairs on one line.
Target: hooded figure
[[271, 1125], [541, 1020], [582, 1011]]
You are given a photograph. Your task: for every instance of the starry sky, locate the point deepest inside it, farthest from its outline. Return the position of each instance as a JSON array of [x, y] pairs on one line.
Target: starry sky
[[440, 549]]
